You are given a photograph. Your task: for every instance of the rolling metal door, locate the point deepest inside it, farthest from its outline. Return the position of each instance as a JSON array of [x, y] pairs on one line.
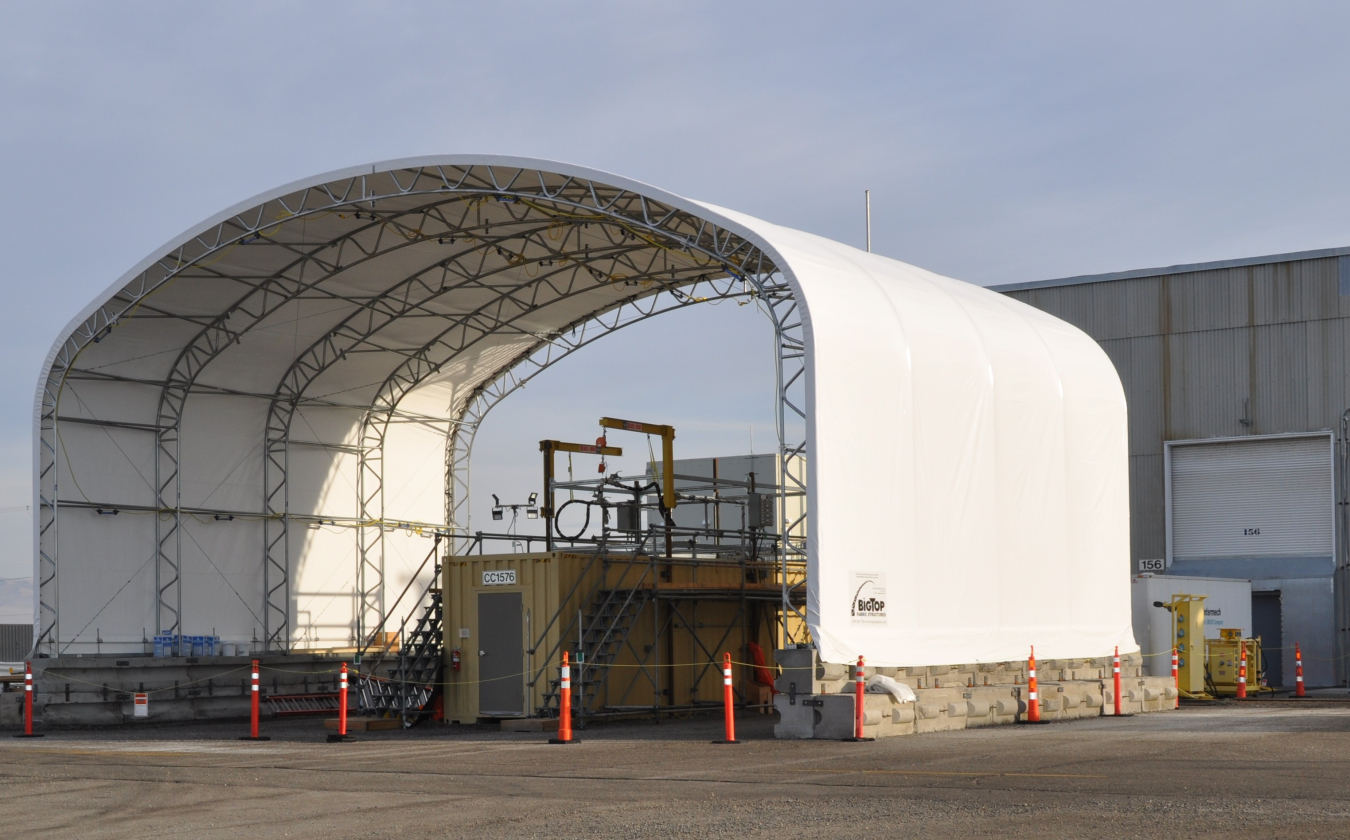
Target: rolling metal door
[[1253, 497]]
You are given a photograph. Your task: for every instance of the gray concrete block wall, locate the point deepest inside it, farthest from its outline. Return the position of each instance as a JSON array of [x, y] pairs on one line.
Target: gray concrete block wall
[[957, 697]]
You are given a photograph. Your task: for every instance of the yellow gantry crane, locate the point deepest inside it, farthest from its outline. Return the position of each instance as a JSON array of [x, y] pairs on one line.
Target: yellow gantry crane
[[549, 448], [667, 434]]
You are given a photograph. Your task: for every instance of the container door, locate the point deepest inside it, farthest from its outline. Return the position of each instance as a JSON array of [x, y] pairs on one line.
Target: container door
[[501, 649], [1268, 623]]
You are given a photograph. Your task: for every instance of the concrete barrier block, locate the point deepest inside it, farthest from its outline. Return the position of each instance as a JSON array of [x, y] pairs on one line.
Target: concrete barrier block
[[796, 721], [902, 713], [833, 716]]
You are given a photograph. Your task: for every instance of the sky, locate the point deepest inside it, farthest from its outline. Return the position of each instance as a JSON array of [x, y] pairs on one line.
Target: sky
[[1002, 142]]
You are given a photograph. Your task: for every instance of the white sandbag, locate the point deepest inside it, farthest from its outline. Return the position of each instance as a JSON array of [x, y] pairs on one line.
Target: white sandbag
[[882, 684]]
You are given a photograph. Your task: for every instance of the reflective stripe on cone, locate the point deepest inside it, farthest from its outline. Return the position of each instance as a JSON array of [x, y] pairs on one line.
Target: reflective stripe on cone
[[728, 703], [1115, 679], [1033, 695]]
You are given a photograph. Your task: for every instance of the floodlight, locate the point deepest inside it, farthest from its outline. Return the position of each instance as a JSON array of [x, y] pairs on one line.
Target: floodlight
[[496, 513], [533, 498], [496, 501], [532, 513]]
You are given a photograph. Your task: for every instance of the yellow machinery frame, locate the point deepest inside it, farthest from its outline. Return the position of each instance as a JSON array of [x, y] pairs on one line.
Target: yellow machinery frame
[[1188, 638], [549, 448], [1224, 655], [667, 434]]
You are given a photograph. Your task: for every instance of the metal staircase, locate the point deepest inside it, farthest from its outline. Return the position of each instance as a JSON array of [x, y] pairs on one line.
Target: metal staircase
[[291, 705], [408, 689], [604, 631]]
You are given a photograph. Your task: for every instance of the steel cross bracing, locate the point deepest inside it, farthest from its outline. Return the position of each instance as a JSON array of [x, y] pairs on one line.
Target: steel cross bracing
[[459, 444], [496, 317], [638, 238]]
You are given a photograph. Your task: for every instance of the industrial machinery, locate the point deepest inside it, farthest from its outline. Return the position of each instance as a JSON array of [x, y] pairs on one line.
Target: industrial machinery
[[642, 601], [1188, 637], [1225, 654], [1208, 668]]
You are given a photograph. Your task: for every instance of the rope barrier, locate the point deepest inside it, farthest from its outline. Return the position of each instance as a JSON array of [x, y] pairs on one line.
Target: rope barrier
[[179, 686], [712, 664]]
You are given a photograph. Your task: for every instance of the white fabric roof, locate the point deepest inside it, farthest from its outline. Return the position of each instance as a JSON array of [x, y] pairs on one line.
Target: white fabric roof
[[966, 453]]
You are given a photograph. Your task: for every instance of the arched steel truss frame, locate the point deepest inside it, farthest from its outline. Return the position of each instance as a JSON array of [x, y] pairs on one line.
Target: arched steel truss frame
[[636, 228]]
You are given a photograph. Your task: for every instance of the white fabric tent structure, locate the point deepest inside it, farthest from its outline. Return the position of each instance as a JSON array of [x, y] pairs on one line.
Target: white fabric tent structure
[[231, 436]]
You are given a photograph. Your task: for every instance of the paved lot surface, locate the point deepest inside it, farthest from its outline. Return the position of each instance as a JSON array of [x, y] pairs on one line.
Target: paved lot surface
[[1275, 768]]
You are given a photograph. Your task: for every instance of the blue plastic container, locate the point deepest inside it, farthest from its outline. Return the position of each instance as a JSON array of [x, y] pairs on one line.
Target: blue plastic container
[[198, 645]]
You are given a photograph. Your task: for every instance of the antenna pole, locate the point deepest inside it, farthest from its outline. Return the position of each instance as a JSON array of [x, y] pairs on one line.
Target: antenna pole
[[867, 202]]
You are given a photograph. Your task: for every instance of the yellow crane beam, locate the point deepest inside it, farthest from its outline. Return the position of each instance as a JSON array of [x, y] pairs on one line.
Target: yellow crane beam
[[667, 434]]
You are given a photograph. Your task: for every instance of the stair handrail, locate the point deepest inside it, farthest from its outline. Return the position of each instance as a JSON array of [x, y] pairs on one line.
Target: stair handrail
[[609, 628], [385, 620], [589, 662], [566, 633], [543, 634], [632, 591]]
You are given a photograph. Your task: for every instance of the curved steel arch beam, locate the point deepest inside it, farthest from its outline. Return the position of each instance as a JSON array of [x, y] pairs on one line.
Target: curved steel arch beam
[[464, 428], [255, 217], [370, 480], [317, 359], [271, 294], [266, 297], [374, 425]]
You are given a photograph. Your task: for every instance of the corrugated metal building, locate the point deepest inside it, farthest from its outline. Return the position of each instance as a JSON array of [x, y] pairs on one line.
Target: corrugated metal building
[[1237, 376], [16, 641]]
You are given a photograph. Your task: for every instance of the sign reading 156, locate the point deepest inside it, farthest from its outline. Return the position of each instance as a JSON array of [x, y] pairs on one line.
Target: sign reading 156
[[1251, 532]]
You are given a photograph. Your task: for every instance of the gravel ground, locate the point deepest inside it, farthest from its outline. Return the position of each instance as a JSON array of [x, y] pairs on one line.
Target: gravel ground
[[1276, 768]]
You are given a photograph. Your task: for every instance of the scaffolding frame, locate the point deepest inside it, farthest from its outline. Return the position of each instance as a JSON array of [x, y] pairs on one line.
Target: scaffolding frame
[[404, 207]]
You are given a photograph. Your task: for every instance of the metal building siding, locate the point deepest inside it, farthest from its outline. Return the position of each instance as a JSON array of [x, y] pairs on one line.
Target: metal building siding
[[1147, 539], [1252, 498], [1325, 350], [1142, 297], [16, 641], [1192, 346], [1279, 386], [1205, 376], [1146, 395], [1139, 362]]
